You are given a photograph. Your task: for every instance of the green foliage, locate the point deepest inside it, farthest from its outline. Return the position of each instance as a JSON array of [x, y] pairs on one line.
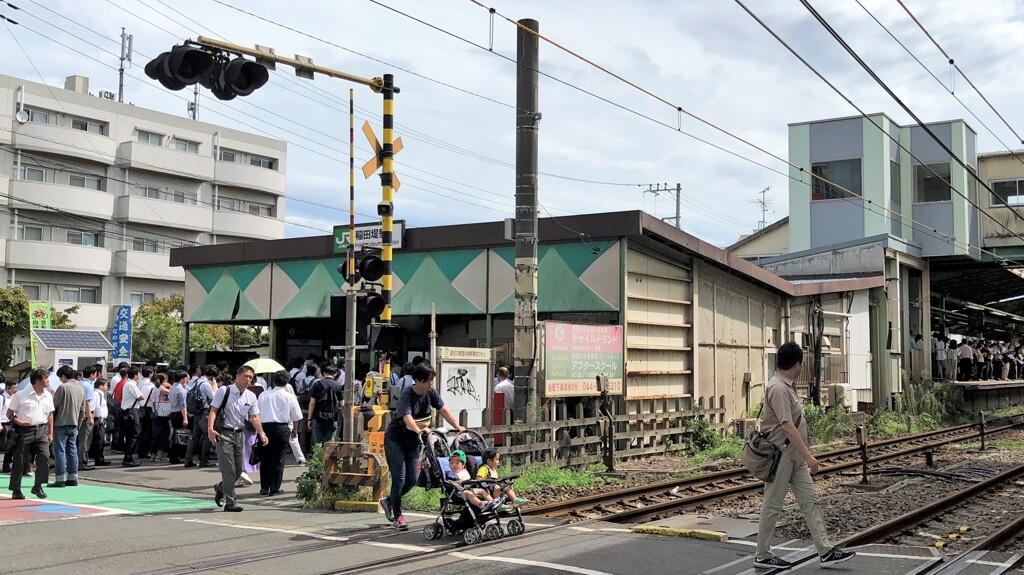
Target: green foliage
[[159, 332], [14, 321], [551, 476], [703, 437], [309, 485], [420, 499], [824, 426], [728, 448]]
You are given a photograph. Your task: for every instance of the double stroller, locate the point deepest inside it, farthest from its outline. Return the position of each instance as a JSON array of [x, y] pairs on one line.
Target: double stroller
[[456, 514]]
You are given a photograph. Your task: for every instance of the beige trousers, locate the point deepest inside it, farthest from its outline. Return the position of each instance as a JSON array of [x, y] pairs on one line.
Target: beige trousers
[[795, 475]]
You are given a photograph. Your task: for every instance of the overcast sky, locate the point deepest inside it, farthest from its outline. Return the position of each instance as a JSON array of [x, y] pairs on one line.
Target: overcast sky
[[708, 57]]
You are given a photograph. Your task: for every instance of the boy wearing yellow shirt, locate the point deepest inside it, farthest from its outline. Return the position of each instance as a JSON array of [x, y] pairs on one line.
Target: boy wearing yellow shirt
[[489, 470]]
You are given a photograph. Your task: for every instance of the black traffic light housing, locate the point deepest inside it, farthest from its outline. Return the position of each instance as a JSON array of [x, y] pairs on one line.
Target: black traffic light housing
[[187, 65]]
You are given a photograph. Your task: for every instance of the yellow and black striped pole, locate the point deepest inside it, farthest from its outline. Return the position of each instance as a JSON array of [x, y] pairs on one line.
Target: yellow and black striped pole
[[388, 191], [351, 193]]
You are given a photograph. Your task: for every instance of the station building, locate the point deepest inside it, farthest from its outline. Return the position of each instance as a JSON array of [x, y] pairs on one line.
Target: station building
[[96, 193], [700, 325], [921, 226]]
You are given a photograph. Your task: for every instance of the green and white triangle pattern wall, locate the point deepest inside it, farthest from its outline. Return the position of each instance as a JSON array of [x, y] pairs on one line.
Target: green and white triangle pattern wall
[[231, 293], [573, 277]]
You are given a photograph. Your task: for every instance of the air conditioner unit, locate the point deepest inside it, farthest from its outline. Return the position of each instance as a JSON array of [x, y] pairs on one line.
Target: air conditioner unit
[[839, 393], [743, 426]]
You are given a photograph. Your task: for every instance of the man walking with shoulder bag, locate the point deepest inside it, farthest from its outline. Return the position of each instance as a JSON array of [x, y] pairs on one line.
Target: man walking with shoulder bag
[[785, 427]]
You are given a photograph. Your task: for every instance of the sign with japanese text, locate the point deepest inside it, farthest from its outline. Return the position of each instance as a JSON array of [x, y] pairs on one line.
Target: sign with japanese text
[[464, 381], [367, 236], [121, 335], [574, 355], [40, 316]]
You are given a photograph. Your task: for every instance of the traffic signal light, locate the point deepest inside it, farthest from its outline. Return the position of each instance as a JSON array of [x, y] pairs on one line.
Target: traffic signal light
[[187, 65]]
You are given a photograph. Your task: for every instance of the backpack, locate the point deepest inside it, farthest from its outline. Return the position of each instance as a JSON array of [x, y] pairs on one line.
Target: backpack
[[327, 403], [395, 391], [194, 402]]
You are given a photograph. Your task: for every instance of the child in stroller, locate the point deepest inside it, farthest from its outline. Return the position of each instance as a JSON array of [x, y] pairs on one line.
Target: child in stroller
[[455, 516]]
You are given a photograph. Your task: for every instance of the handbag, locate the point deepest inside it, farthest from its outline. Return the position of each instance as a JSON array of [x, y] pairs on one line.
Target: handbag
[[218, 420], [162, 408], [760, 456], [126, 417], [182, 437], [256, 453]]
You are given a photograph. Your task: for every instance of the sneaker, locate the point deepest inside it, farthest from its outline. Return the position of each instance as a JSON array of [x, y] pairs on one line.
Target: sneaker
[[243, 480], [385, 503], [772, 562], [835, 556], [519, 502], [399, 524]]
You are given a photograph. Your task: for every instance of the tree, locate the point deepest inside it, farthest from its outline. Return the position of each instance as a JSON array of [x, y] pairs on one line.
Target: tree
[[14, 320], [158, 332]]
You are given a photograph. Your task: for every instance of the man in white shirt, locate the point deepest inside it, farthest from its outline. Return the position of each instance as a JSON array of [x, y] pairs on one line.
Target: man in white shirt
[[279, 412], [238, 404], [128, 419], [145, 411], [99, 414], [31, 414], [505, 387]]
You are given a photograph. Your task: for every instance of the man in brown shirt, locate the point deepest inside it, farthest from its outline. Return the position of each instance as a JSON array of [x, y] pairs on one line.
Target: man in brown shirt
[[787, 430]]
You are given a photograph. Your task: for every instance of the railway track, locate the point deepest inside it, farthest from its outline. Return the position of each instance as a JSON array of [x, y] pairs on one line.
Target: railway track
[[649, 502]]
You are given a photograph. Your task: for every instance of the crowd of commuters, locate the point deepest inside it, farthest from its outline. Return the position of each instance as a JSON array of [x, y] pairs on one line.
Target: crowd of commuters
[[975, 359], [72, 420]]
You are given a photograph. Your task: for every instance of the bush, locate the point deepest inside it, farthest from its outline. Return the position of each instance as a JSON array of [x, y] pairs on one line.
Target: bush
[[702, 436], [728, 448], [824, 426]]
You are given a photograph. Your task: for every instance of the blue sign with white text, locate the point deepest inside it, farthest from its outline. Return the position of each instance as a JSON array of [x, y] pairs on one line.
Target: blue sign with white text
[[121, 335]]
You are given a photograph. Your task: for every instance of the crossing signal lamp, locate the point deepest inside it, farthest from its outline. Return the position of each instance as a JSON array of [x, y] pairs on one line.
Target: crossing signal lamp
[[226, 77]]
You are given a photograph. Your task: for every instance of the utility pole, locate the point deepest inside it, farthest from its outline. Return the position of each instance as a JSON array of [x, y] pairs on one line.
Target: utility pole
[[126, 55], [524, 348], [656, 189]]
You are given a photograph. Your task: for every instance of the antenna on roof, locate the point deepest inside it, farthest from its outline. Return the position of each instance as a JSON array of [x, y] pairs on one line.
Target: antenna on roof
[[126, 56]]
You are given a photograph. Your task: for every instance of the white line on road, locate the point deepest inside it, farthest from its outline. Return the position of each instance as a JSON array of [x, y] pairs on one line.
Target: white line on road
[[273, 529], [529, 563]]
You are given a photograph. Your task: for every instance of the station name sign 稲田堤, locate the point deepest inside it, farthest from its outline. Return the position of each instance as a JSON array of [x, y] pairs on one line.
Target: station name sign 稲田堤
[[368, 236]]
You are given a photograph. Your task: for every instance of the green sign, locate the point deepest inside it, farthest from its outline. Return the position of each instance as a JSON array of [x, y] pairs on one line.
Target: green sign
[[368, 236]]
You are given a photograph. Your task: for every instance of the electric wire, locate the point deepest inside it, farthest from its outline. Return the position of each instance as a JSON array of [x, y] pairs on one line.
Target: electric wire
[[971, 173], [924, 228], [958, 69]]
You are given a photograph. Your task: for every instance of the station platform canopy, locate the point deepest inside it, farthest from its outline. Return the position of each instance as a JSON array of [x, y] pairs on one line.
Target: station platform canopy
[[971, 296]]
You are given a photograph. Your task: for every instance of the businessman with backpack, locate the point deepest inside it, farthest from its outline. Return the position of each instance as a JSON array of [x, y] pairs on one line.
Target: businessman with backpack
[[198, 398], [326, 400]]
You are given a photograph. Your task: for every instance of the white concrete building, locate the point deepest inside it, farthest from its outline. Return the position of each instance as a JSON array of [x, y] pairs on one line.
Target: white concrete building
[[95, 193]]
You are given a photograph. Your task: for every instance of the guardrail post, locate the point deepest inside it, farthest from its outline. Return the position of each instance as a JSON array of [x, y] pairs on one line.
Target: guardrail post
[[981, 415], [862, 440]]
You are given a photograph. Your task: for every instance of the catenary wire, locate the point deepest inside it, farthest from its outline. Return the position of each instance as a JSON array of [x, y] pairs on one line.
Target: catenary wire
[[958, 69], [971, 173], [868, 203]]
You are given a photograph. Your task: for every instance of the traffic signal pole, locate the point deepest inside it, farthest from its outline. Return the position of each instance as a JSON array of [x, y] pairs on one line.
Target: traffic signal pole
[[304, 67]]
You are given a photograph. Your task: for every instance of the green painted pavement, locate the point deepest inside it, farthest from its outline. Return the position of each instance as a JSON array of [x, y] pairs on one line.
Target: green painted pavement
[[118, 498]]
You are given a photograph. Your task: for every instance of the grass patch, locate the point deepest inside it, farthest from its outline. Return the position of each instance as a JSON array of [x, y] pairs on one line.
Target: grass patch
[[728, 448], [420, 499], [1007, 445], [535, 477]]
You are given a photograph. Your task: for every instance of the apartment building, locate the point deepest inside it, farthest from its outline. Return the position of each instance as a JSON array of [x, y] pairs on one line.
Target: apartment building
[[97, 192]]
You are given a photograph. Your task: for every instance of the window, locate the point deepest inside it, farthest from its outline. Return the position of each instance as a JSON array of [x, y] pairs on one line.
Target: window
[[929, 187], [842, 174], [260, 210], [34, 233], [88, 126], [1007, 192], [229, 204], [32, 291], [148, 192], [78, 295], [82, 181], [150, 138], [190, 198], [84, 238], [229, 155], [895, 192], [139, 298], [38, 117], [186, 146], [263, 162], [145, 245], [32, 174]]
